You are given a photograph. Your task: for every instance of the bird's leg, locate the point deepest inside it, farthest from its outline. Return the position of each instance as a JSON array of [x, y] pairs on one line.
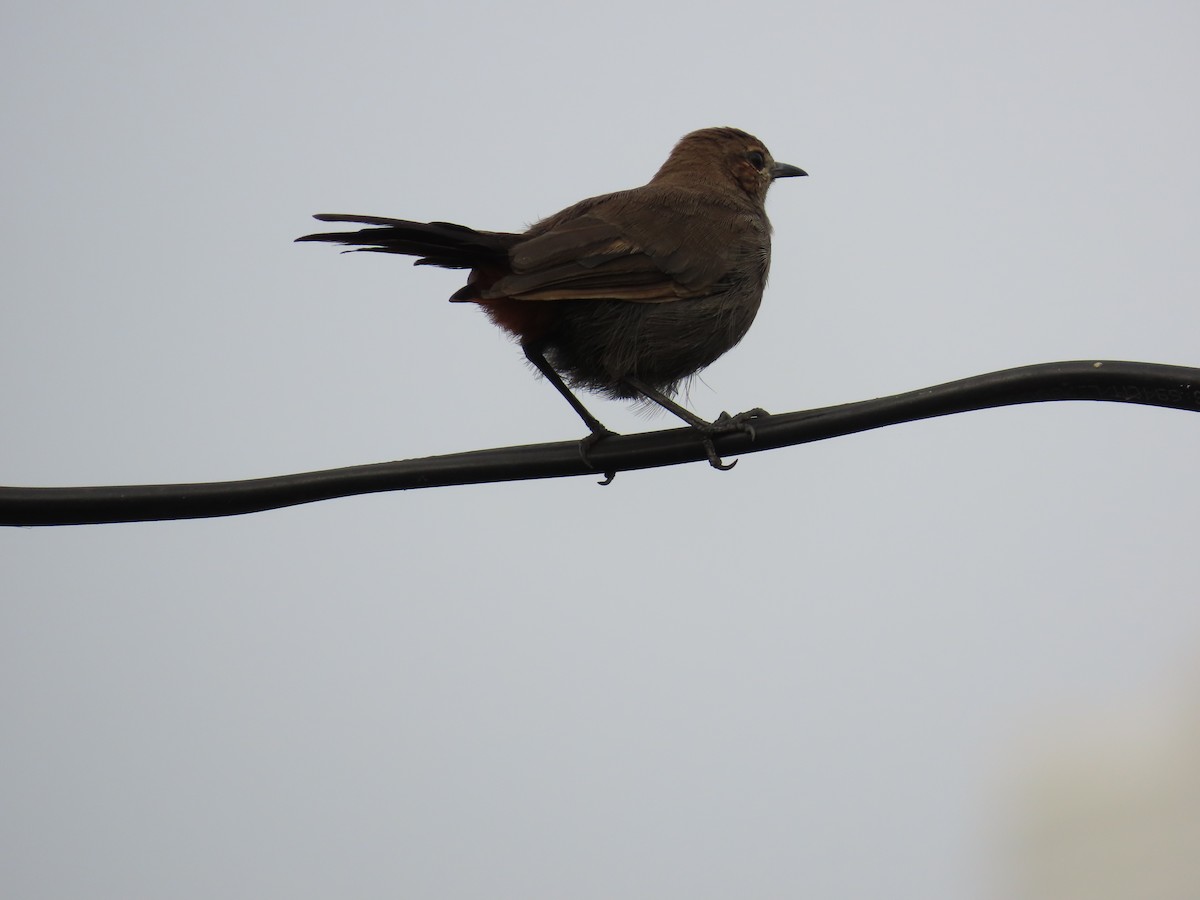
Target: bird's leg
[[595, 426], [534, 354], [723, 424]]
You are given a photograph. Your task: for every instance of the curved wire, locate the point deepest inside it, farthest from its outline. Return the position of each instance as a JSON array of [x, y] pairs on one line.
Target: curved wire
[[1152, 384]]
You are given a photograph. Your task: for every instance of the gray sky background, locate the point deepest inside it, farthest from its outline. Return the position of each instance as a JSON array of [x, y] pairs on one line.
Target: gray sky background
[[820, 675]]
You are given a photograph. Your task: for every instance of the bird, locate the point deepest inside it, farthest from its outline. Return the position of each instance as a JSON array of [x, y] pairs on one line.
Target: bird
[[627, 294]]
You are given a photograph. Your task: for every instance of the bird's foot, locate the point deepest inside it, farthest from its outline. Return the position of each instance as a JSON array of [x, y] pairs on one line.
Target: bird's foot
[[585, 446], [725, 424]]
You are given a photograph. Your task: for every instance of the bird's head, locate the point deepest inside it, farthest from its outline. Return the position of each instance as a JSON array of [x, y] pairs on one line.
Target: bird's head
[[725, 158]]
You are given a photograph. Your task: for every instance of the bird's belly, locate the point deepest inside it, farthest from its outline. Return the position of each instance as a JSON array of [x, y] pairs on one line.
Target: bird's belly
[[596, 344]]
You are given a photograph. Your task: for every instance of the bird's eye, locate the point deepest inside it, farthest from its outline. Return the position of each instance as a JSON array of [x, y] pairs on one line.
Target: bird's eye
[[756, 159]]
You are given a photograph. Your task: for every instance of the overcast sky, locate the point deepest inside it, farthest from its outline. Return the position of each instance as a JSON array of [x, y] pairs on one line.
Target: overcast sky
[[823, 674]]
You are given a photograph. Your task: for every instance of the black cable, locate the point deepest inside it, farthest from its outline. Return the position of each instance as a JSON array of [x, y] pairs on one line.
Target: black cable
[[1151, 384]]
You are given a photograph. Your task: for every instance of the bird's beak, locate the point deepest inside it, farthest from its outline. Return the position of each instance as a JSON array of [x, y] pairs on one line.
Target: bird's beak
[[783, 170]]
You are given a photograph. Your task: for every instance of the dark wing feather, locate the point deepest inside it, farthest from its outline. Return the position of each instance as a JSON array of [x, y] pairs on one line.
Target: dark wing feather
[[649, 245]]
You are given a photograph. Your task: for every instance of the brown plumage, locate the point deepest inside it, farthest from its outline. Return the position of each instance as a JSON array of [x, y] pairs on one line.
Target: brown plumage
[[629, 293]]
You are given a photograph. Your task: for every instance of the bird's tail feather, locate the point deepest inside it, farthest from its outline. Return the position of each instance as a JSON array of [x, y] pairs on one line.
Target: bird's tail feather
[[436, 243]]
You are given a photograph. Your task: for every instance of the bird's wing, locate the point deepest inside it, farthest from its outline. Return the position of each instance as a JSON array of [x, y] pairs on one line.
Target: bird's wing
[[639, 245]]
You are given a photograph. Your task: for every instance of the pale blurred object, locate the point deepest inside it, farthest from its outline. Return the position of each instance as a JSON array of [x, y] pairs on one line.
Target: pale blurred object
[[1109, 808]]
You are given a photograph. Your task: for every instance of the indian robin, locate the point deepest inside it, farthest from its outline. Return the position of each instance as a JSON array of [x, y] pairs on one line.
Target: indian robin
[[627, 294]]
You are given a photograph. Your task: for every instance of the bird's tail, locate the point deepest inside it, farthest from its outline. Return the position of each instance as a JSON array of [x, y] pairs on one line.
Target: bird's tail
[[436, 243]]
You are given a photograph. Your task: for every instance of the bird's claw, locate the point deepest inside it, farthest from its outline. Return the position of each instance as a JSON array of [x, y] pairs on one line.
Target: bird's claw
[[724, 424], [588, 443], [714, 459]]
